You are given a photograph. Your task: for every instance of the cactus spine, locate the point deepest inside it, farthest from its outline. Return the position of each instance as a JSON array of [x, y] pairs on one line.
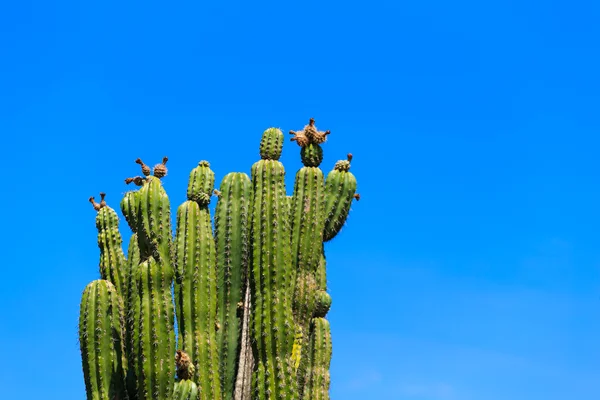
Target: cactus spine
[[101, 337], [272, 329], [250, 298], [195, 287], [232, 233]]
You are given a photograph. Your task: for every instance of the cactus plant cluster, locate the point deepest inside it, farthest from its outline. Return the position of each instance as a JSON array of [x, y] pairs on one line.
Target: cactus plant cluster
[[237, 312]]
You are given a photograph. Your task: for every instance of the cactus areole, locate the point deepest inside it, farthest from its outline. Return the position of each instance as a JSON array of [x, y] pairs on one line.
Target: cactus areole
[[234, 311]]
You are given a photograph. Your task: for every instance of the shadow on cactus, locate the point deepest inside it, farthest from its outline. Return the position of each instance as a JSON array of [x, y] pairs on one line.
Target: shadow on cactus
[[249, 297]]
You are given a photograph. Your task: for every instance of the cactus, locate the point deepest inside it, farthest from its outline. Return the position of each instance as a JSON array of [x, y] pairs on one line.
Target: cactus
[[308, 218], [101, 337], [340, 190], [317, 385], [112, 259], [249, 299], [271, 276], [232, 236], [196, 282]]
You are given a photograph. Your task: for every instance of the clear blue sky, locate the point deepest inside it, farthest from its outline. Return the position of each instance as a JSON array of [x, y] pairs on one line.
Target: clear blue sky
[[469, 270]]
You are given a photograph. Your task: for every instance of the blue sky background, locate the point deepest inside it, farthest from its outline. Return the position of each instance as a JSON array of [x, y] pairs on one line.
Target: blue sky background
[[469, 270]]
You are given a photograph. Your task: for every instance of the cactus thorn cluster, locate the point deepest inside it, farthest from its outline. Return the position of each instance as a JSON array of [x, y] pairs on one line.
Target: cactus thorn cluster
[[234, 311]]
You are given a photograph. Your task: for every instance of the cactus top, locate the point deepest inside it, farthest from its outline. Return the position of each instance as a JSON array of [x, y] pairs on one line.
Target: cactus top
[[312, 155], [343, 165], [271, 144], [201, 184]]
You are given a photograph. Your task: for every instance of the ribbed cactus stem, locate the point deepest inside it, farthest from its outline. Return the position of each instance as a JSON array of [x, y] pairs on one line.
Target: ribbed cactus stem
[[317, 387], [112, 259], [311, 155], [155, 364], [132, 311], [129, 208], [185, 390], [308, 217], [201, 183], [195, 288], [272, 329], [232, 235], [323, 299], [154, 224], [271, 144], [101, 338], [340, 191]]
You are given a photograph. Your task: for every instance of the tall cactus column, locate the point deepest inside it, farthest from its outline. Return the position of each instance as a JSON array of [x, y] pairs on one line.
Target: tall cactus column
[[232, 235], [102, 341], [308, 218], [272, 325], [154, 335], [196, 287]]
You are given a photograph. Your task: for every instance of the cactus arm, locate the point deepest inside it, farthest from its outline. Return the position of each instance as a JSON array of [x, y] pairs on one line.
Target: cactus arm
[[129, 206], [101, 337], [340, 191], [232, 243], [196, 290], [112, 258]]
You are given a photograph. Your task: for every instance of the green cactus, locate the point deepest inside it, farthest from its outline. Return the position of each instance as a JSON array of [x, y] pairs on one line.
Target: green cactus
[[196, 286], [271, 275], [340, 190], [112, 259], [101, 337], [317, 385], [308, 218], [249, 298], [185, 390], [155, 368], [232, 235]]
